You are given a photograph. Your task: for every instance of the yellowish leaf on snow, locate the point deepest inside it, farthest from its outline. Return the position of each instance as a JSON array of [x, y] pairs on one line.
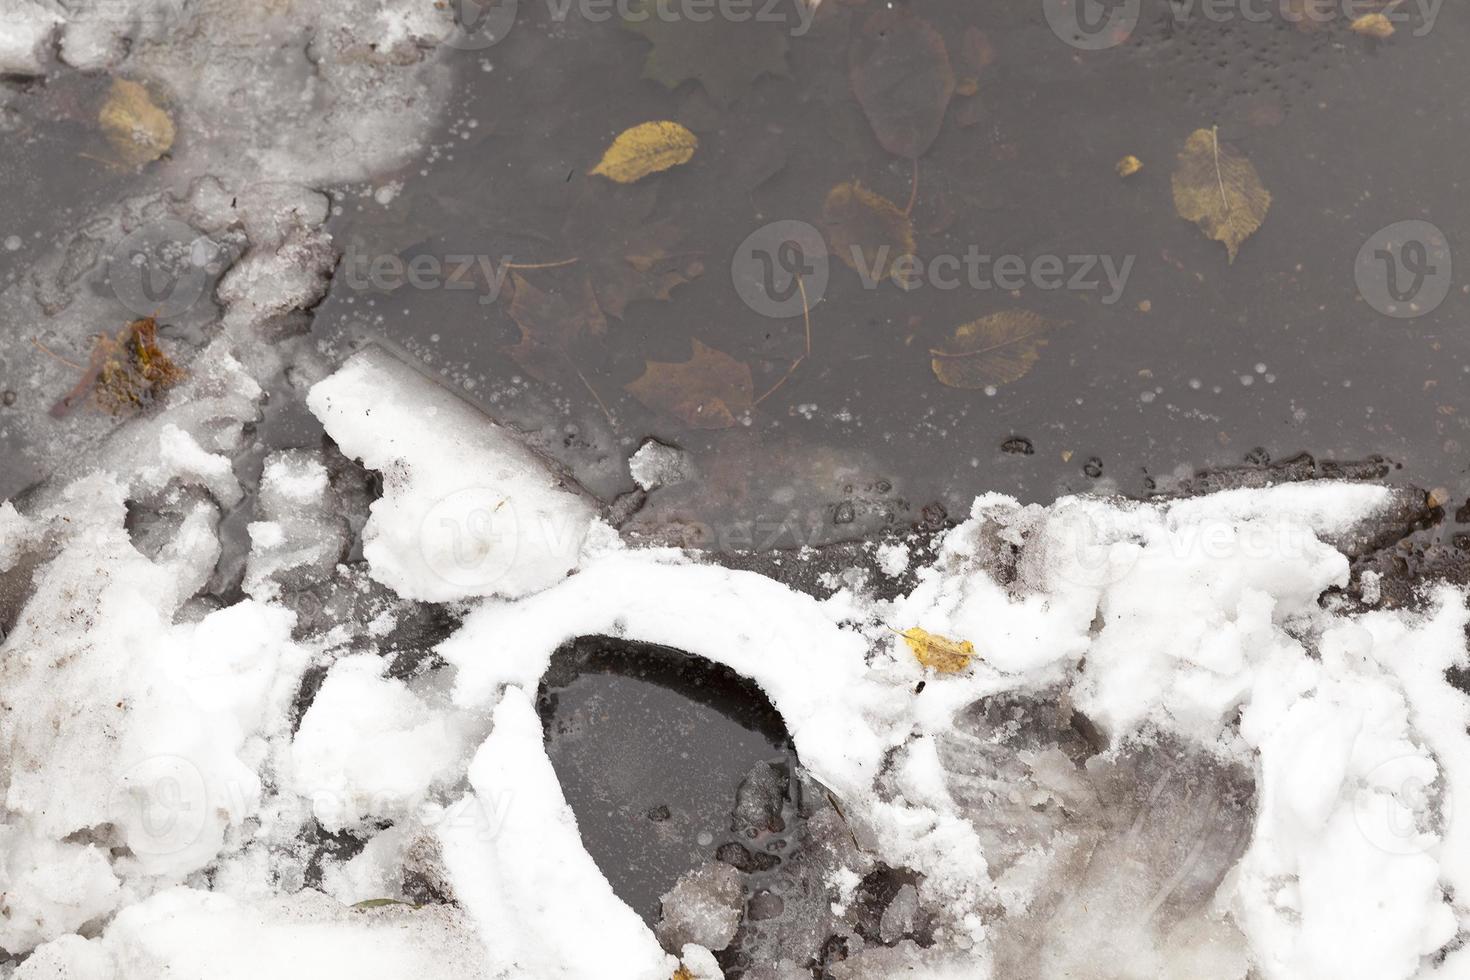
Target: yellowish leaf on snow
[[647, 148], [867, 231], [1373, 25], [937, 652], [1128, 166], [993, 350], [138, 129], [1219, 190]]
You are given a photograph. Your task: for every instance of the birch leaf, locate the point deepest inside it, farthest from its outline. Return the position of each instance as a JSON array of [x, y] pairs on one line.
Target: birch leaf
[[647, 148], [939, 653], [866, 230], [711, 390], [138, 129], [993, 350], [1219, 190]]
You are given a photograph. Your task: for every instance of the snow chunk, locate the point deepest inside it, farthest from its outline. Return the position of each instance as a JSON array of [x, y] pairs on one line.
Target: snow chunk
[[369, 746], [740, 619], [657, 465], [703, 908], [300, 538], [467, 509], [188, 933], [51, 888], [518, 867], [25, 27]]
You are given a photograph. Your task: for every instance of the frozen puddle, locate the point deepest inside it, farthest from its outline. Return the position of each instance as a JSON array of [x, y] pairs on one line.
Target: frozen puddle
[[1179, 750]]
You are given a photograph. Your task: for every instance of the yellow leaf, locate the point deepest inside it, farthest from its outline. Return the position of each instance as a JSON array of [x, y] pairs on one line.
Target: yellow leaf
[[937, 652], [995, 349], [647, 149], [867, 231], [1373, 25], [683, 974], [1128, 166], [140, 131], [1219, 190]]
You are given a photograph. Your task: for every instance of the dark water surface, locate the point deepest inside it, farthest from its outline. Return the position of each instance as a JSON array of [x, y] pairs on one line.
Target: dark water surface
[[1198, 363]]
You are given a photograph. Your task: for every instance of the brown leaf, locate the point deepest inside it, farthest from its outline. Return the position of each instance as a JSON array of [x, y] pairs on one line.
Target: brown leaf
[[725, 55], [711, 390], [627, 255], [866, 231], [126, 372], [993, 350], [552, 323], [900, 73], [976, 49]]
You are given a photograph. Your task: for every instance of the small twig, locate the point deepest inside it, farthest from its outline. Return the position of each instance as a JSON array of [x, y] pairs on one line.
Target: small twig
[[46, 350], [591, 390], [913, 190], [806, 315], [540, 265]]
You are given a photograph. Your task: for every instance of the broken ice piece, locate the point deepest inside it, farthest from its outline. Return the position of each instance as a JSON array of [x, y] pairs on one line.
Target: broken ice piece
[[467, 509], [657, 465], [703, 908], [300, 538]]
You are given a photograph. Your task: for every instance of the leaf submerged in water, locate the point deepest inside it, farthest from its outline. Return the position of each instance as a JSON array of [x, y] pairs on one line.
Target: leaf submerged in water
[[1219, 190], [711, 390], [993, 350]]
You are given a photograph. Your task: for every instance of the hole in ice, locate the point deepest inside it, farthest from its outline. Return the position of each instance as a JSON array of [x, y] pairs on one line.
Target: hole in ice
[[650, 745]]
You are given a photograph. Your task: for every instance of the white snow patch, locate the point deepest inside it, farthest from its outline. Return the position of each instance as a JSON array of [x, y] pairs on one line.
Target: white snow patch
[[467, 509]]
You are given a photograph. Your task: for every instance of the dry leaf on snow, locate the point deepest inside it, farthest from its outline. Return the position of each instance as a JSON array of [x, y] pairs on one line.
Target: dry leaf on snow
[[1219, 190], [647, 148], [711, 390], [939, 653], [866, 230], [993, 350]]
